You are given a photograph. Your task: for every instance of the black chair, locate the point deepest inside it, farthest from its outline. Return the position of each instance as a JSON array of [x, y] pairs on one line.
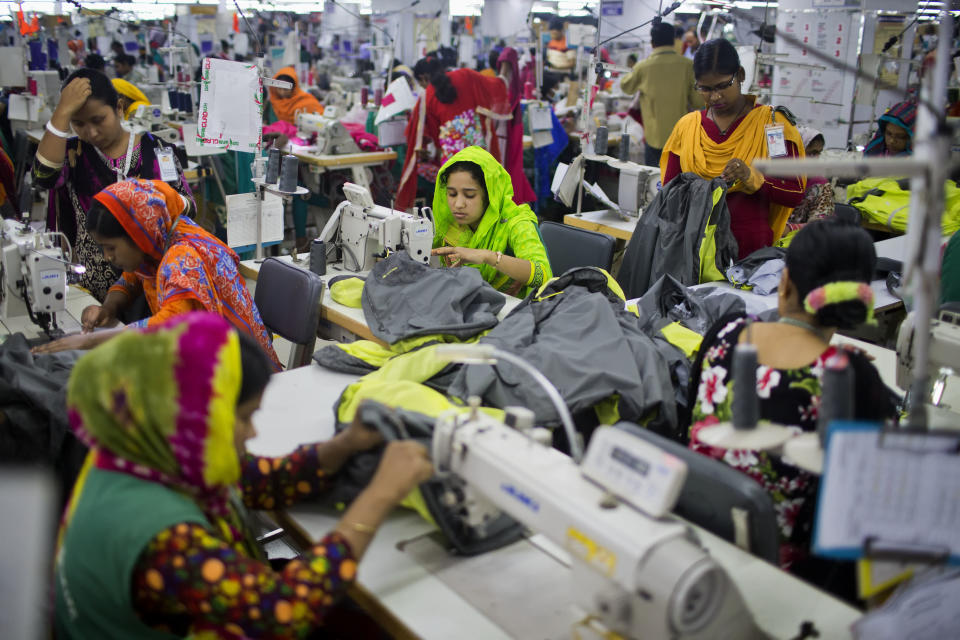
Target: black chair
[[289, 299], [721, 499], [570, 247]]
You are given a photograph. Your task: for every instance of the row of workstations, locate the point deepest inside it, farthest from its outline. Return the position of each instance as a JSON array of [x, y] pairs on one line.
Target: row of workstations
[[416, 588]]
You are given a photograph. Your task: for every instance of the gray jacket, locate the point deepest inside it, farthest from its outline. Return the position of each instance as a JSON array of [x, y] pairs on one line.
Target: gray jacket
[[671, 233]]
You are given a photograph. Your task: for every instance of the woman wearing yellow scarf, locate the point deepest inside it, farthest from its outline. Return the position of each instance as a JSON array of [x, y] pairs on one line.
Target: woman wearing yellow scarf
[[130, 97], [723, 141]]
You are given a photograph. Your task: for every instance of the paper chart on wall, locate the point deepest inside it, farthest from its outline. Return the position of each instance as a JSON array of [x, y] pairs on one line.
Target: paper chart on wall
[[242, 219], [231, 105]]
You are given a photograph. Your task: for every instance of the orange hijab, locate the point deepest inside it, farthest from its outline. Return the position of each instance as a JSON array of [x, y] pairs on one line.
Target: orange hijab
[[286, 109], [699, 154]]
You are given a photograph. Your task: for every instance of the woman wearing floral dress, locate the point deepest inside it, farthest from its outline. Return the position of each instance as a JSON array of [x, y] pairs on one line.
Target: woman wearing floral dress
[[825, 286]]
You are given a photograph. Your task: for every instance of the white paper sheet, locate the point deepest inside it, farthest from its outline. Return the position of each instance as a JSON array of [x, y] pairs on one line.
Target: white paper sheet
[[13, 68], [231, 106], [242, 219], [24, 108], [599, 194]]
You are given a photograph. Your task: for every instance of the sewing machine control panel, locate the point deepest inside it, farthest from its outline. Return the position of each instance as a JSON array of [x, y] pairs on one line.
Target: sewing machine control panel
[[634, 470]]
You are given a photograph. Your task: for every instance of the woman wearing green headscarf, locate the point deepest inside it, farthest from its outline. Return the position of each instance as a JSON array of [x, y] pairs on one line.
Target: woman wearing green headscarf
[[478, 224], [155, 541]]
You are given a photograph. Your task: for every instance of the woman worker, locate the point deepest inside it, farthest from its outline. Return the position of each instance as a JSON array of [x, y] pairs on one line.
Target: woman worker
[[456, 110], [818, 198], [894, 135], [287, 103], [824, 287], [725, 138], [130, 97], [155, 541], [513, 154], [478, 224], [143, 227], [102, 153]]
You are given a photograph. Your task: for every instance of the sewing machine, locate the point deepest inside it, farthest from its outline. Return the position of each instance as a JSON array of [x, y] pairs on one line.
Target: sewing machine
[[34, 279], [332, 137], [638, 186], [366, 229], [944, 361], [150, 119], [635, 571]]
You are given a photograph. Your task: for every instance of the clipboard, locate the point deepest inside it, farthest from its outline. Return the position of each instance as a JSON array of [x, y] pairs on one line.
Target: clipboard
[[889, 494]]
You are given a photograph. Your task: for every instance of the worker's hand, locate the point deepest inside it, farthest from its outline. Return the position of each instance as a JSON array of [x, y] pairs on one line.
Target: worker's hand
[[736, 171], [81, 341], [96, 316], [360, 437], [73, 97], [459, 256], [404, 465]]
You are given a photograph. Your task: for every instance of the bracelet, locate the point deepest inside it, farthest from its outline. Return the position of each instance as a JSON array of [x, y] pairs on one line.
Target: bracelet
[[52, 129], [359, 527], [496, 265]]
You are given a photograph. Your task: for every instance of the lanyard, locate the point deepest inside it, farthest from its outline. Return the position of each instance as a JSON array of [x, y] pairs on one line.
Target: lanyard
[[126, 160]]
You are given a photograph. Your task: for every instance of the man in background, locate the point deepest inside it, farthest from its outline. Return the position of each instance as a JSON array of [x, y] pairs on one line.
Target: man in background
[[125, 66], [664, 82]]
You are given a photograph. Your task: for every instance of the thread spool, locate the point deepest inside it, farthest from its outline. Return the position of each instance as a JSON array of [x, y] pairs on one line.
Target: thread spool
[[364, 96], [528, 90], [625, 147], [289, 171], [836, 399], [318, 257], [273, 166], [746, 404], [600, 142], [377, 97]]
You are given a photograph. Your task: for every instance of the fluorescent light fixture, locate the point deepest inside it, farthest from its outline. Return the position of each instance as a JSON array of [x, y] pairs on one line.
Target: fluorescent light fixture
[[466, 7]]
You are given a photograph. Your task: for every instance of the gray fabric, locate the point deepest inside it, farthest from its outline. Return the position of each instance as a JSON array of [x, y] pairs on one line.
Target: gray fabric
[[766, 279], [403, 299], [670, 232], [759, 270], [33, 411], [336, 359], [668, 301], [585, 342]]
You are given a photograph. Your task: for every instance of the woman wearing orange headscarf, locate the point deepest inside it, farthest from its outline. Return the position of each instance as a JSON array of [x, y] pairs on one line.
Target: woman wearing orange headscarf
[[142, 227], [287, 103]]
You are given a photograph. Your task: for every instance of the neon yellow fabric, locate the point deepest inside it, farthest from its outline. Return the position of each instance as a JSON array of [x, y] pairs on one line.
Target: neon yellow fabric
[[892, 208], [683, 338], [347, 292]]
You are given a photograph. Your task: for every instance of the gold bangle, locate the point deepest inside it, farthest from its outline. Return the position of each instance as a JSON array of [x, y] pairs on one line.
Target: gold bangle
[[359, 527]]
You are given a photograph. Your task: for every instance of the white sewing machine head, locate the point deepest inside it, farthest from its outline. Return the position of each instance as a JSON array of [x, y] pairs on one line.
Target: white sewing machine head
[[34, 281], [149, 118], [366, 230], [332, 137], [638, 186], [634, 573], [944, 362]]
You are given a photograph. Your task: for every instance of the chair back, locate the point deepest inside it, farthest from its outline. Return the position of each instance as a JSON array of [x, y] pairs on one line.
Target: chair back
[[289, 299], [570, 247], [722, 500]]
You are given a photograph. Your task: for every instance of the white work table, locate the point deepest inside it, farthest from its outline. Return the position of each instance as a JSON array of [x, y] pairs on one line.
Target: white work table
[[514, 592], [77, 300]]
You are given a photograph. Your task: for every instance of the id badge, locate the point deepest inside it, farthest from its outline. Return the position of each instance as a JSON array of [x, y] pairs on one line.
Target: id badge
[[776, 142], [168, 166]]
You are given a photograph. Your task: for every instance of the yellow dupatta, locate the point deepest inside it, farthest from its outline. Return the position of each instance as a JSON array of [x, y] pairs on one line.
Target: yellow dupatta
[[699, 154]]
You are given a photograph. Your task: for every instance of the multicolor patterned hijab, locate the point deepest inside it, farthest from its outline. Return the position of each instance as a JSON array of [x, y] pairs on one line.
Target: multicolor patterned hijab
[[160, 405], [902, 114], [186, 260], [501, 215]]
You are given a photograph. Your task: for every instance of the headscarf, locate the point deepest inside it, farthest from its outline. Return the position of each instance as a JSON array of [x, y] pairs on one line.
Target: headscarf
[[130, 91], [807, 134], [501, 215], [509, 55], [150, 211], [300, 101], [902, 114], [699, 154], [160, 405]]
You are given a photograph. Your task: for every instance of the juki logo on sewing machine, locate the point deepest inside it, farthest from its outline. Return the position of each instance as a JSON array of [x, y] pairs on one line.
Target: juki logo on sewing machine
[[50, 275], [521, 497]]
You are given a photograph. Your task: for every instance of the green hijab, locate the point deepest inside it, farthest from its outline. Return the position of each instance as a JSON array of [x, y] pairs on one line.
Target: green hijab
[[502, 214]]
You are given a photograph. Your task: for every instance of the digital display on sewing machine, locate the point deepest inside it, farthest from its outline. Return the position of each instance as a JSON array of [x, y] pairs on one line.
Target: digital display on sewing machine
[[634, 470], [625, 458]]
